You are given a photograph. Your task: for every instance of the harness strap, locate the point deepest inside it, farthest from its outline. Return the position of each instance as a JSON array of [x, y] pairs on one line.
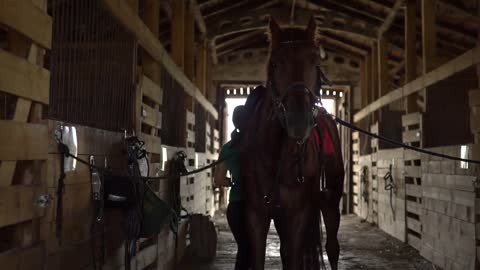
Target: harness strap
[[63, 149]]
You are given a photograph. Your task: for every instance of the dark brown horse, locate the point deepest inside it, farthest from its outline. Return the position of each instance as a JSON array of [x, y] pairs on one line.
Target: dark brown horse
[[282, 169]]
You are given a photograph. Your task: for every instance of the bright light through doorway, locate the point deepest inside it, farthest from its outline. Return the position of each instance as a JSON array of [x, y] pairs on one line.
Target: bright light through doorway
[[329, 105]]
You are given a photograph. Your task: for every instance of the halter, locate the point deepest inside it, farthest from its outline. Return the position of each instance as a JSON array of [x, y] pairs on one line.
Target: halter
[[278, 99]]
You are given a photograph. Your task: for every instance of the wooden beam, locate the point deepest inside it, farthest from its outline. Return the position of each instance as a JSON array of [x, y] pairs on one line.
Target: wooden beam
[[429, 34], [374, 72], [201, 72], [390, 17], [233, 6], [471, 15], [383, 80], [198, 17], [411, 52], [343, 45], [364, 65], [123, 13], [151, 18], [22, 78], [238, 39], [461, 63], [178, 33], [38, 26], [189, 56], [410, 41]]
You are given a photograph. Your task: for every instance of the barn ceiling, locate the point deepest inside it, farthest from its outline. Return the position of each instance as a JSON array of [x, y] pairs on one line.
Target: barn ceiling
[[348, 27]]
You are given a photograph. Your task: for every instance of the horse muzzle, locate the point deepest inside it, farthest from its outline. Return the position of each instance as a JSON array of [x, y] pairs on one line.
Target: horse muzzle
[[299, 117]]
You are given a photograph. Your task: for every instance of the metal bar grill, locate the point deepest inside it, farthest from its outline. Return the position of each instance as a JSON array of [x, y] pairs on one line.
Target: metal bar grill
[[174, 113], [93, 67]]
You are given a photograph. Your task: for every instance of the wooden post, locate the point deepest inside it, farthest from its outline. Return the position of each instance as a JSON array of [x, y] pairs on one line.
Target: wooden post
[[368, 67], [383, 83], [429, 35], [201, 71], [429, 43], [374, 72], [364, 82], [151, 18], [190, 43], [374, 92], [411, 52], [178, 33]]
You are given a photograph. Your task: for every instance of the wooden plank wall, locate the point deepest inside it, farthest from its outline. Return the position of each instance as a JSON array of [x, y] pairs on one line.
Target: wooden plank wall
[[391, 212], [374, 174], [435, 203], [24, 84], [474, 102], [412, 128]]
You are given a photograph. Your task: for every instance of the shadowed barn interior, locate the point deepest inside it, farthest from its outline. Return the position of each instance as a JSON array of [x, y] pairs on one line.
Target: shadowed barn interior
[[151, 80]]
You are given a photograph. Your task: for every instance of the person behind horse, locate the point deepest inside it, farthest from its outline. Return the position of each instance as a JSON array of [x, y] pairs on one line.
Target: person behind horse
[[230, 153]]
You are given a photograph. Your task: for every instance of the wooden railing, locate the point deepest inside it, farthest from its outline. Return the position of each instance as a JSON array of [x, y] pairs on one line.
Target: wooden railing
[[464, 61]]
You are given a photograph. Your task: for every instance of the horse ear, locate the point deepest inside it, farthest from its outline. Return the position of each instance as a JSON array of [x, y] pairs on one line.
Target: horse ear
[[274, 29], [312, 30]]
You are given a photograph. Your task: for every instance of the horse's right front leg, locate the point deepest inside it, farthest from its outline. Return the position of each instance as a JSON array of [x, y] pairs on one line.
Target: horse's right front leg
[[258, 224]]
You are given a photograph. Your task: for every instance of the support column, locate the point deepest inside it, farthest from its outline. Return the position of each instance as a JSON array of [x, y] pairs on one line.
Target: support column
[[411, 52], [190, 43], [178, 32], [374, 92], [364, 81], [429, 43], [383, 80], [201, 68], [429, 35], [151, 18]]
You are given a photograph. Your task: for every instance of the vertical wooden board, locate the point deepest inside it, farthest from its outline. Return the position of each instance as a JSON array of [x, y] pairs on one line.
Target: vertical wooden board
[[151, 90], [20, 141], [383, 67], [429, 35], [7, 170], [178, 33], [151, 18]]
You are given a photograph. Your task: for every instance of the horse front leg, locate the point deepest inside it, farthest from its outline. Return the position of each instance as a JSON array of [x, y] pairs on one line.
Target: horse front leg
[[258, 224], [331, 215], [295, 228]]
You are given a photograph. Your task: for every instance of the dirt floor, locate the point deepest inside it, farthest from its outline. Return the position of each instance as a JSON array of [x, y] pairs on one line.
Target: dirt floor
[[363, 246]]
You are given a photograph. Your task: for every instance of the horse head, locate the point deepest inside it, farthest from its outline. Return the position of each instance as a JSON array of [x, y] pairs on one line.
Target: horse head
[[294, 77]]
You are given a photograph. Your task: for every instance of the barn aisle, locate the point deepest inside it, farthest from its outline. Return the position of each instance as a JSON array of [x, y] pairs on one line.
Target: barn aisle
[[363, 246]]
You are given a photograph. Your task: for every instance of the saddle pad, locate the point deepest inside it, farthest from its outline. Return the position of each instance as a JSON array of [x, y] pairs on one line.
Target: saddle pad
[[327, 138]]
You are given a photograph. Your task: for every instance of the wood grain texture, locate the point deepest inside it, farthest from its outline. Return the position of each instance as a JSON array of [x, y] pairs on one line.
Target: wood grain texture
[[22, 78], [27, 18]]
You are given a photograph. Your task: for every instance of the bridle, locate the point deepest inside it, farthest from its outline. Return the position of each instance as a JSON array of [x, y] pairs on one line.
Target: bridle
[[278, 99], [281, 112]]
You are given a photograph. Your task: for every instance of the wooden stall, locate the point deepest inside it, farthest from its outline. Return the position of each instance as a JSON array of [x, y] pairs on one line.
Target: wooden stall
[[50, 90], [24, 166], [434, 202]]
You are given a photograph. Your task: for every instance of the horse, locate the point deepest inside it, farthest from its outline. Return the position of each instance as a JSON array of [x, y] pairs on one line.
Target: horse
[[287, 173]]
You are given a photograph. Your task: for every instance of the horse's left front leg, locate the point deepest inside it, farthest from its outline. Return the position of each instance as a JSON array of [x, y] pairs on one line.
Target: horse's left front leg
[[295, 229], [258, 224]]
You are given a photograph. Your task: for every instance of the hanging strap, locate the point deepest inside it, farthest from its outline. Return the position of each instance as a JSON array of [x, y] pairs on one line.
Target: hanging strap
[[60, 192]]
